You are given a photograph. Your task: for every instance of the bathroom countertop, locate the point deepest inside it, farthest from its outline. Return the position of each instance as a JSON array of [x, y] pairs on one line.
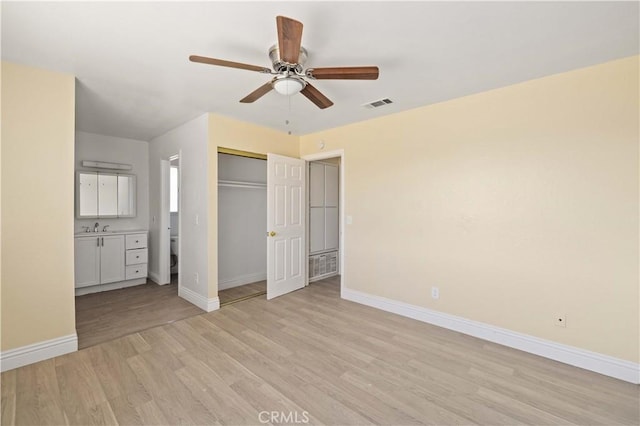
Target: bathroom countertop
[[94, 234]]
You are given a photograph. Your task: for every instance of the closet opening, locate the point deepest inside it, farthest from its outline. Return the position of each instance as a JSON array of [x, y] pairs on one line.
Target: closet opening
[[242, 216]]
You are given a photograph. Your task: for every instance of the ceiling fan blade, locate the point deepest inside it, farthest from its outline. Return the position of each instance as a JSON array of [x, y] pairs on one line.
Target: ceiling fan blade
[[289, 39], [344, 73], [223, 63], [316, 97], [257, 94]]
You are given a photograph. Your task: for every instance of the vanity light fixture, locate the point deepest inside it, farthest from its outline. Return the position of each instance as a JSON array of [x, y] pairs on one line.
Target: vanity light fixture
[[105, 165]]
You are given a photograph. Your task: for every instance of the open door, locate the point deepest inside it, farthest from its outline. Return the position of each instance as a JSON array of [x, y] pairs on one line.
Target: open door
[[285, 225], [164, 243]]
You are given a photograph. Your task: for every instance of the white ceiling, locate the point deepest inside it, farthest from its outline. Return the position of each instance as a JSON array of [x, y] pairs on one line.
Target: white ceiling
[[134, 79]]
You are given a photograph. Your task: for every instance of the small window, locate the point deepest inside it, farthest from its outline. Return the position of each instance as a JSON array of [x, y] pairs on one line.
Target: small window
[[173, 189]]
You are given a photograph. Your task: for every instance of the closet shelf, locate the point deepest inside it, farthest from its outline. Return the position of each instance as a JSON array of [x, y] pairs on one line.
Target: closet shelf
[[240, 184]]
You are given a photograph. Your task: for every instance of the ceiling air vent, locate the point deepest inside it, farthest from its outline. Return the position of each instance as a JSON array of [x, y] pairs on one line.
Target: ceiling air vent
[[379, 103]]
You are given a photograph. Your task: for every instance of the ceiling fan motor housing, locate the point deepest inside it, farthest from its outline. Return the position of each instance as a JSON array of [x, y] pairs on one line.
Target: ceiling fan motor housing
[[280, 66]]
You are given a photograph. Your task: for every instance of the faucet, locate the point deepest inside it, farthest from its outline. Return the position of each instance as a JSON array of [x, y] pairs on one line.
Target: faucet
[[104, 228], [95, 227], [86, 228]]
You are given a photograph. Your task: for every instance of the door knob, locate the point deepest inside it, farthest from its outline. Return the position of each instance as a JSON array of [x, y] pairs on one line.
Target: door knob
[[272, 234]]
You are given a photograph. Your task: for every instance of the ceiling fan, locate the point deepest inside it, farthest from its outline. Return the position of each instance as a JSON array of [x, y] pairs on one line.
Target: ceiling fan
[[288, 58]]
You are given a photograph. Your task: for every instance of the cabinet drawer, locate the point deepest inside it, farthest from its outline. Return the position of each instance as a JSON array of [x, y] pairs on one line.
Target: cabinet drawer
[[136, 241], [135, 271], [135, 257]]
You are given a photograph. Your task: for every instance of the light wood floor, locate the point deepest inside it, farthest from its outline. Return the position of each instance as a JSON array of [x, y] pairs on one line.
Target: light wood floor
[[243, 292], [309, 351], [101, 317]]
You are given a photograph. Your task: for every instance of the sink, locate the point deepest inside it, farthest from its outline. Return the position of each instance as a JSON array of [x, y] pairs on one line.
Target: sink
[[94, 234]]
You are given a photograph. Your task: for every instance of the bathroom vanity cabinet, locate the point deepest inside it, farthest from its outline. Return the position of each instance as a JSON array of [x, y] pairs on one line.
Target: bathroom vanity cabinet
[[98, 260], [110, 260]]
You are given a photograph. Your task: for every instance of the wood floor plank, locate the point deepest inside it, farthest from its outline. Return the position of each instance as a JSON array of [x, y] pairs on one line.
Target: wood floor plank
[[8, 385], [105, 316], [306, 352], [124, 410]]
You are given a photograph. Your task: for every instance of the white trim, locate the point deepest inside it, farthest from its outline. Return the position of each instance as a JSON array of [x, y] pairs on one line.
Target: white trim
[[105, 165], [40, 351], [242, 280], [177, 156], [343, 229], [322, 277], [599, 363], [200, 301], [81, 291], [164, 233], [153, 276]]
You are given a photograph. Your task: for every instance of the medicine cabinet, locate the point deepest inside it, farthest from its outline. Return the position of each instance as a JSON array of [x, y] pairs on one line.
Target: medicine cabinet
[[105, 195]]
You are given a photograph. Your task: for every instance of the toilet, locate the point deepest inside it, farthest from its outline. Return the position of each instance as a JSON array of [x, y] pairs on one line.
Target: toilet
[[174, 254]]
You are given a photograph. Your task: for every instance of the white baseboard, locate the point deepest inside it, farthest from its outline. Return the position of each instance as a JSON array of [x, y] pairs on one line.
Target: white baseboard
[[200, 301], [40, 351], [111, 286], [241, 280], [154, 277], [593, 361]]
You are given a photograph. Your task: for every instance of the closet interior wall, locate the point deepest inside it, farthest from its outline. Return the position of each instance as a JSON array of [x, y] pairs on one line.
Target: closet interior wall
[[242, 216]]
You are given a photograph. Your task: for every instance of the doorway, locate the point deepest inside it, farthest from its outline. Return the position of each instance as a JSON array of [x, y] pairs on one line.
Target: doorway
[[323, 218], [242, 210], [326, 218], [170, 246], [174, 219]]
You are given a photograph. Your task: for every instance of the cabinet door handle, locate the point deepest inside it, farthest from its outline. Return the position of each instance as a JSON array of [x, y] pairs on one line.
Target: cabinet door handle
[[102, 241], [137, 257], [137, 241], [97, 242]]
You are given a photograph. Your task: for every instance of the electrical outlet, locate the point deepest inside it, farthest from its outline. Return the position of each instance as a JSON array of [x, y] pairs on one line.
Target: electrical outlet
[[561, 320], [196, 278], [435, 293]]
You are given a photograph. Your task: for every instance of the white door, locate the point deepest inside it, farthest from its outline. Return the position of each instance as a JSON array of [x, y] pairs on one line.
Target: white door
[[87, 261], [285, 225], [111, 258]]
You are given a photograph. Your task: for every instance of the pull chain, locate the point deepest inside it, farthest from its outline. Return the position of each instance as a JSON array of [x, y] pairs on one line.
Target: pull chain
[[287, 121]]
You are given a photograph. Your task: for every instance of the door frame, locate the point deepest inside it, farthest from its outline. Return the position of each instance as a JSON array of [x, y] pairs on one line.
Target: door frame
[[164, 243], [178, 157], [318, 157]]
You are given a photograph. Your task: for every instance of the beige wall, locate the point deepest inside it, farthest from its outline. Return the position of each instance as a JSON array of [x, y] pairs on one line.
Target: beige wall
[[230, 133], [519, 204], [38, 119]]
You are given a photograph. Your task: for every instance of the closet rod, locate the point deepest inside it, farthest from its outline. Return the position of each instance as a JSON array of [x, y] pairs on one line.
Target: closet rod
[[240, 153], [239, 184]]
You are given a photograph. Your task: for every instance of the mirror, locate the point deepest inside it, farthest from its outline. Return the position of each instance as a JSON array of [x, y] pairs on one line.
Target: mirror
[[126, 196], [87, 195], [105, 195]]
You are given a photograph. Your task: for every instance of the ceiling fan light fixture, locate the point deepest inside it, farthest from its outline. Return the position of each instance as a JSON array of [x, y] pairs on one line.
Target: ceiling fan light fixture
[[288, 85]]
